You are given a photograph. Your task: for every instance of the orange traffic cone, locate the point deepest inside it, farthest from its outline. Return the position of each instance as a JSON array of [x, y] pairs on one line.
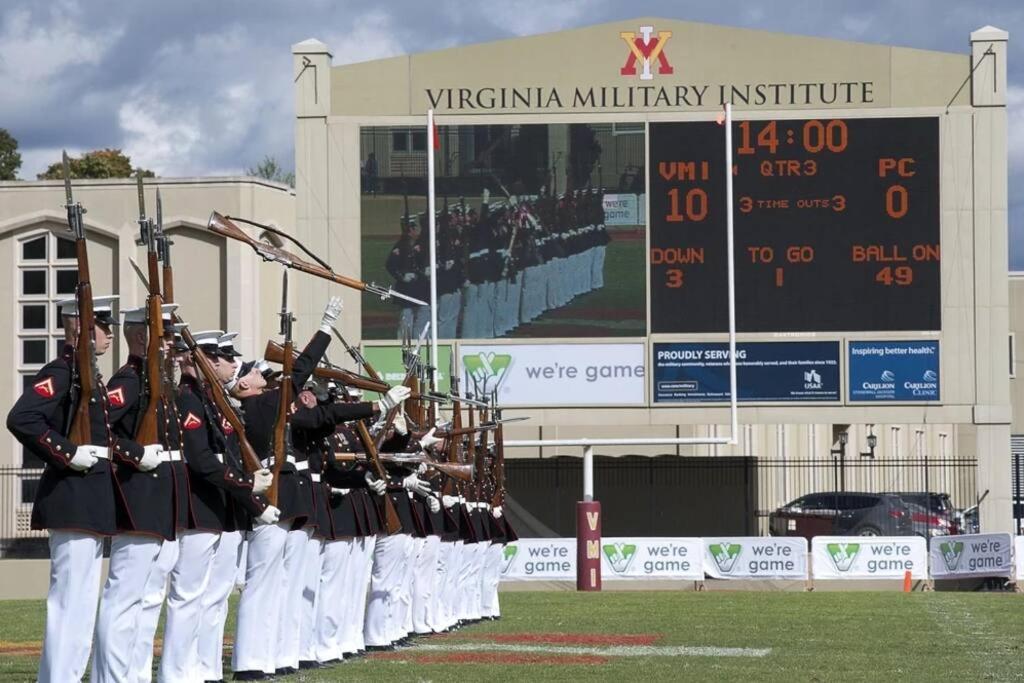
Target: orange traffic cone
[[907, 583]]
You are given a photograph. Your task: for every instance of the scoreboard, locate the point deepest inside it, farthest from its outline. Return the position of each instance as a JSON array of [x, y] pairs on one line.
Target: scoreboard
[[836, 225]]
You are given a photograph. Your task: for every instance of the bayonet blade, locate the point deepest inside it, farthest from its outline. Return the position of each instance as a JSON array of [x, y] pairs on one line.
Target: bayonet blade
[[67, 178], [142, 198]]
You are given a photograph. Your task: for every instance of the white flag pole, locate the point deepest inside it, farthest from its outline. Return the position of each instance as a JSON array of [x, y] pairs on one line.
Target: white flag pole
[[432, 222]]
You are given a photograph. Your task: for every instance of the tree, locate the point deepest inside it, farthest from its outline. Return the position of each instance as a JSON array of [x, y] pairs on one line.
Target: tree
[[10, 160], [269, 169], [100, 163]]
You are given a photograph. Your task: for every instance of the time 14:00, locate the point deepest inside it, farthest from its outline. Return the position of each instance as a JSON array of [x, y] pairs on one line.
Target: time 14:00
[[815, 136]]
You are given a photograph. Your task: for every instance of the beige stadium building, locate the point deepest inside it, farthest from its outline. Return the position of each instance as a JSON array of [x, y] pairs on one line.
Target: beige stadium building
[[622, 80]]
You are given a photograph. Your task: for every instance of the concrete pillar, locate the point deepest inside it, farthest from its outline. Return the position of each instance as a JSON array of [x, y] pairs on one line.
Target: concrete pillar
[[992, 412], [311, 68]]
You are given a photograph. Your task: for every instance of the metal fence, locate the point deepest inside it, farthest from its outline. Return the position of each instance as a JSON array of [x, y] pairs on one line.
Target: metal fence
[[17, 490]]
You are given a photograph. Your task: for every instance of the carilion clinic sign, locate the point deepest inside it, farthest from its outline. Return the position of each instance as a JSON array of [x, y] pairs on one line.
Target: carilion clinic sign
[[894, 371]]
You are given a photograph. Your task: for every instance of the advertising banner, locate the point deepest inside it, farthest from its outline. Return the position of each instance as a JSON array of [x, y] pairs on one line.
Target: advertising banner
[[869, 557], [557, 374], [971, 555], [756, 557], [387, 361], [621, 209], [894, 371], [539, 559], [652, 558], [765, 371]]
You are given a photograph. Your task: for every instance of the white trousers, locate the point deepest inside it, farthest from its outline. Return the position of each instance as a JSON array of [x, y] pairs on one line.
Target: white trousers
[[448, 314], [352, 639], [310, 597], [424, 585], [291, 597], [149, 615], [491, 575], [405, 605], [383, 609], [258, 610], [337, 571], [223, 572], [133, 575], [441, 612], [189, 580], [76, 562], [453, 571], [469, 579], [597, 267]]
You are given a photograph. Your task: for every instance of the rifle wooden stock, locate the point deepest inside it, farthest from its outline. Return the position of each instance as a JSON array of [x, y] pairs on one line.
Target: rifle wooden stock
[[392, 523], [224, 227], [81, 424], [281, 423], [274, 353], [481, 463], [148, 430], [498, 496], [168, 285]]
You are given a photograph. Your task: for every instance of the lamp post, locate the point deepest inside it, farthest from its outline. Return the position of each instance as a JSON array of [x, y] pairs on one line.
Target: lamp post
[[839, 458]]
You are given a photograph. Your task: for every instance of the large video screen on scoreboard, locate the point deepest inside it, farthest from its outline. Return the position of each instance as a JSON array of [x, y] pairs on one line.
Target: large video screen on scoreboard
[[836, 225]]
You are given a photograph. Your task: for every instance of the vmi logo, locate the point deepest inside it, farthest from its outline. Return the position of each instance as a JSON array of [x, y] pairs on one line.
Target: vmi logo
[[620, 555], [487, 369], [725, 555], [646, 49], [951, 553], [843, 554]]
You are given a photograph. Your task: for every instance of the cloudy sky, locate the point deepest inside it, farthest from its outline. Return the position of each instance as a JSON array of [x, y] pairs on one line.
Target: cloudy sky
[[200, 87]]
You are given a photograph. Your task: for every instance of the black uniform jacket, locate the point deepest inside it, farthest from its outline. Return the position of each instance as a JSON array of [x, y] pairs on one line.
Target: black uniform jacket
[[40, 420], [154, 502], [211, 482], [294, 489]]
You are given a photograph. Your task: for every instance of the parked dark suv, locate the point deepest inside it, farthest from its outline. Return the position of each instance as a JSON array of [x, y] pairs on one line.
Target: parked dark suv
[[932, 514], [842, 513]]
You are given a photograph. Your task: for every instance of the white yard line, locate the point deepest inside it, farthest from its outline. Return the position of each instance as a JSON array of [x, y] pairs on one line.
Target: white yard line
[[612, 651]]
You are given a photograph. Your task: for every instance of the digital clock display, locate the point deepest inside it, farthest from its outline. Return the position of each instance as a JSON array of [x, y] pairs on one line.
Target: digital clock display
[[836, 225]]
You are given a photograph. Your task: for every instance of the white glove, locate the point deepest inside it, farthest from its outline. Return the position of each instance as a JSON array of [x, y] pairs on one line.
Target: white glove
[[428, 440], [449, 501], [421, 468], [150, 457], [408, 277], [414, 484], [401, 427], [433, 504], [331, 312], [339, 492], [378, 486], [394, 396], [269, 516], [497, 512], [261, 481], [82, 460], [486, 196]]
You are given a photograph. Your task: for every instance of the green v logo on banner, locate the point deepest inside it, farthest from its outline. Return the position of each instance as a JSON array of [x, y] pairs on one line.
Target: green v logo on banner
[[725, 555], [508, 556], [952, 551], [843, 554], [620, 555]]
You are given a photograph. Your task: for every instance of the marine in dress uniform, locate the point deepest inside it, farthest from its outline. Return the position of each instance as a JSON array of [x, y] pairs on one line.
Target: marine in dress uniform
[[212, 479], [75, 498], [152, 501]]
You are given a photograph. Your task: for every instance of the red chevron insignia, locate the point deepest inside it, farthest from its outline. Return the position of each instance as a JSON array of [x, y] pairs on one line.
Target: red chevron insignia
[[44, 387], [116, 397], [191, 421], [225, 426]]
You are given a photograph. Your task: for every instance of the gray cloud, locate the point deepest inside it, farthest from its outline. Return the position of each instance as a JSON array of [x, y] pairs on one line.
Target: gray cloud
[[198, 87]]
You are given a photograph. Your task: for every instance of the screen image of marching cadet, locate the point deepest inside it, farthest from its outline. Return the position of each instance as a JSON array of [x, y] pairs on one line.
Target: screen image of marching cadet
[[75, 498], [408, 264]]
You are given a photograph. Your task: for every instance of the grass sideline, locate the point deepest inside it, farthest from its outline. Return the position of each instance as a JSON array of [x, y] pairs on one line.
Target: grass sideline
[[852, 636]]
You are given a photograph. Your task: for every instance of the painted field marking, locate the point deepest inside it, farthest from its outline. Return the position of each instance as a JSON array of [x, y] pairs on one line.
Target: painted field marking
[[614, 651]]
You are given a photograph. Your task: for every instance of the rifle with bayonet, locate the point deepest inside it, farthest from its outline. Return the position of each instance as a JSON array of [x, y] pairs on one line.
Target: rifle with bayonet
[[85, 345], [154, 388], [282, 426], [498, 496], [225, 227], [460, 472], [412, 359]]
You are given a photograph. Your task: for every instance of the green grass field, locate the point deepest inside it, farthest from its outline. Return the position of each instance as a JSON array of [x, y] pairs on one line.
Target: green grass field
[[616, 310], [628, 636]]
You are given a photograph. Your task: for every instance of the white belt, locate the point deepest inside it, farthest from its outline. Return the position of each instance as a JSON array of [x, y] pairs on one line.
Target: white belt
[[301, 465], [101, 452], [220, 457], [269, 462], [170, 456], [315, 476]]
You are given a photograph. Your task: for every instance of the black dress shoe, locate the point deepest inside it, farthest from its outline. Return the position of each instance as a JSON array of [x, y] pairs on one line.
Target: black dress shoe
[[309, 664], [380, 648], [249, 676], [285, 671], [221, 680]]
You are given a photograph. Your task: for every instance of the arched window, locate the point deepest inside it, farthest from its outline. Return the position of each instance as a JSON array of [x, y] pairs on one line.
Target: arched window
[[46, 271]]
